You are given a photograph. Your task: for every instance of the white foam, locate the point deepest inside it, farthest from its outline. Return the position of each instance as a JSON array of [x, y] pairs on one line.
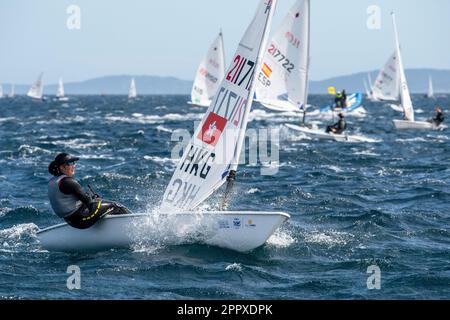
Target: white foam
[[416, 139], [234, 267], [160, 159], [253, 190], [11, 238], [281, 239], [80, 143], [7, 119], [329, 238], [154, 119], [163, 129]]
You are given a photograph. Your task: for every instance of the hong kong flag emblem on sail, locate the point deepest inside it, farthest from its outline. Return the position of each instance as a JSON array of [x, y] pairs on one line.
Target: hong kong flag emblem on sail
[[212, 129]]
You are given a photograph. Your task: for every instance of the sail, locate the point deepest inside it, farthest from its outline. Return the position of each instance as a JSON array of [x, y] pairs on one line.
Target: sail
[[369, 77], [404, 90], [209, 74], [60, 92], [11, 93], [386, 86], [1, 90], [430, 88], [366, 88], [283, 79], [132, 93], [36, 89], [216, 145]]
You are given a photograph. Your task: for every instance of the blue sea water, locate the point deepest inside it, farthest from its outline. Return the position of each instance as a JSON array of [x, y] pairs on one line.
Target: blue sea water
[[352, 205]]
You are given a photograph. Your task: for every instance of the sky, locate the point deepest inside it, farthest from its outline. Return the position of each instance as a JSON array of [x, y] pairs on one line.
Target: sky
[[170, 37]]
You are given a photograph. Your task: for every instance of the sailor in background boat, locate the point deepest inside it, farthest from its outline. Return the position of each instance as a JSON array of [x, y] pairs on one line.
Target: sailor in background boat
[[439, 118], [339, 127], [68, 199], [340, 100]]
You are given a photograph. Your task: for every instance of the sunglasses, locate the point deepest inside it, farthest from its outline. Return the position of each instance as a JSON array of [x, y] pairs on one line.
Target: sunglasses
[[71, 164]]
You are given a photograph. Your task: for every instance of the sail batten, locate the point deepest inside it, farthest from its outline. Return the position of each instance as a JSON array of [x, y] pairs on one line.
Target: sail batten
[[215, 147]]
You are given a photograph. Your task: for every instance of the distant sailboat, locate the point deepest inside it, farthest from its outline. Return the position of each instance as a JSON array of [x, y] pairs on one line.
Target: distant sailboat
[[37, 89], [430, 94], [11, 93], [60, 92], [209, 74], [1, 91], [387, 83], [367, 90], [408, 109], [132, 94], [282, 82]]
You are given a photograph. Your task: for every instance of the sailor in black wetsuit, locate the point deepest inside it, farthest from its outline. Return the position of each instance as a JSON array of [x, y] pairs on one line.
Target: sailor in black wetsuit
[[68, 199], [339, 127], [439, 118]]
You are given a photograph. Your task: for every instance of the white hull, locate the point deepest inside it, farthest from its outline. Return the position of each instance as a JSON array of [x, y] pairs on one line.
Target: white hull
[[63, 99], [322, 135], [239, 231], [414, 125], [205, 105]]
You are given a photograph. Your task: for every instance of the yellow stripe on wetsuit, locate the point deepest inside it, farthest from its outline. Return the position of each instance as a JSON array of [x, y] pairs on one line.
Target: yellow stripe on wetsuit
[[95, 213]]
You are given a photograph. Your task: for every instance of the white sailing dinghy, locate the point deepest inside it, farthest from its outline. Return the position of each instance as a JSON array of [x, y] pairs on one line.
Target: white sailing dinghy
[[11, 93], [37, 89], [1, 91], [283, 79], [408, 109], [132, 94], [211, 159], [60, 93], [387, 83], [430, 94], [210, 73]]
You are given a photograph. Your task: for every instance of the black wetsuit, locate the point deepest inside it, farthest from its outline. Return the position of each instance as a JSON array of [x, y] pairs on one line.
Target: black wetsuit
[[438, 119], [93, 208], [339, 127]]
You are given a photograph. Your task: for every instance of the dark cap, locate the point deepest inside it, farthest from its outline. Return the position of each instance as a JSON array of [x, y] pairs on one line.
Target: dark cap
[[341, 115], [65, 158]]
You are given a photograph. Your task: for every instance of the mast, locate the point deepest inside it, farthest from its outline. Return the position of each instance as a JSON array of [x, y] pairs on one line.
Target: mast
[[235, 162]]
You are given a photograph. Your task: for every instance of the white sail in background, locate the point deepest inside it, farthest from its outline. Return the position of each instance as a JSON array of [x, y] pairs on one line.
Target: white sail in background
[[430, 88], [366, 88], [11, 93], [404, 91], [216, 145], [36, 89], [60, 92], [369, 77], [1, 91], [209, 74], [283, 80], [387, 84], [132, 94]]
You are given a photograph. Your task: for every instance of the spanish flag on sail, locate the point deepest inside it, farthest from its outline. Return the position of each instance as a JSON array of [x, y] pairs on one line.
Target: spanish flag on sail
[[266, 70]]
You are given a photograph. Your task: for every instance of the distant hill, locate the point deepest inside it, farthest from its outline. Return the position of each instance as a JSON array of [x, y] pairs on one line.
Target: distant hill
[[117, 85], [417, 80]]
